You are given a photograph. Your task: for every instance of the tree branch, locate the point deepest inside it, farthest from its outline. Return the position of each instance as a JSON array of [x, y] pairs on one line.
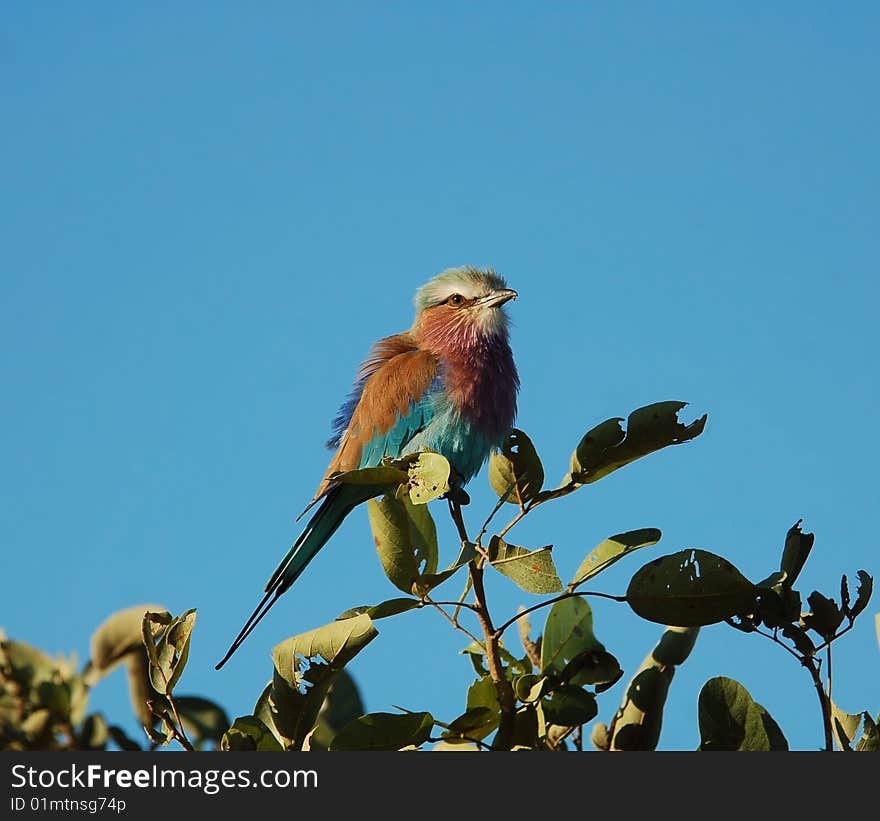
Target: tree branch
[[506, 697]]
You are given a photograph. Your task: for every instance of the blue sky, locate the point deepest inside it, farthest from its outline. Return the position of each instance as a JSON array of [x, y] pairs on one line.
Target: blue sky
[[209, 212]]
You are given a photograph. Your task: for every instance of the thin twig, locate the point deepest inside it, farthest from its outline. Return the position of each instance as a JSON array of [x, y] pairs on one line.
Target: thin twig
[[532, 650], [548, 602], [543, 496], [813, 665], [824, 702], [773, 637], [519, 516], [452, 621], [836, 636], [468, 605], [495, 510], [828, 671], [506, 698]]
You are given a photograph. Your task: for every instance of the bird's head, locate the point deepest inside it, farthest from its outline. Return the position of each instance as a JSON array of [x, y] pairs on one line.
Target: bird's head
[[462, 306]]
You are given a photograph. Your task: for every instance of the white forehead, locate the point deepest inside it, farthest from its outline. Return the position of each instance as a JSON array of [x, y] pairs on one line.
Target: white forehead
[[469, 282], [468, 288]]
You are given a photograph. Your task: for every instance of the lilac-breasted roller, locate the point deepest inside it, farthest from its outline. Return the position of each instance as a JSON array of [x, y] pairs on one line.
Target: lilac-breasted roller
[[448, 384]]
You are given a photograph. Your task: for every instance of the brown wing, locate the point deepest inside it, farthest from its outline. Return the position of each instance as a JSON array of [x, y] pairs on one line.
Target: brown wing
[[396, 375]]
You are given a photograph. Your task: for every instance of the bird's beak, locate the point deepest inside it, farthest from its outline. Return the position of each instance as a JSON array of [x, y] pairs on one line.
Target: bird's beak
[[496, 298]]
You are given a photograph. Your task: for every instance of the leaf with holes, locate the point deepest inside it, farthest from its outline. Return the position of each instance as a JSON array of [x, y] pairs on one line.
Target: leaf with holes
[[406, 539], [428, 477], [863, 593], [306, 667], [607, 447], [845, 726], [611, 550], [531, 570], [515, 471], [248, 733], [426, 582], [690, 588], [870, 740]]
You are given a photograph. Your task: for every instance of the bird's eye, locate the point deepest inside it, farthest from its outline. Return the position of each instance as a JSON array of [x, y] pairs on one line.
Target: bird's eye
[[456, 300]]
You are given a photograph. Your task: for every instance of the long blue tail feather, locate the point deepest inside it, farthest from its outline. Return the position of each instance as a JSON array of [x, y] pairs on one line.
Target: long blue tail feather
[[338, 503]]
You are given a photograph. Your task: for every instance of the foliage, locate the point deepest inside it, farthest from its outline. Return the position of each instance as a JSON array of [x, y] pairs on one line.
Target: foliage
[[539, 696]]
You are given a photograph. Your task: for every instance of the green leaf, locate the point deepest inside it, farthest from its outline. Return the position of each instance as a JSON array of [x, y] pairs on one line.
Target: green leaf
[[123, 741], [690, 588], [202, 718], [249, 733], [93, 734], [428, 581], [428, 477], [825, 616], [515, 471], [342, 704], [606, 447], [25, 664], [799, 638], [529, 687], [483, 693], [406, 539], [392, 607], [568, 633], [476, 654], [456, 745], [118, 635], [384, 731], [306, 667], [529, 727], [161, 737], [730, 720], [592, 667], [844, 595], [475, 723], [795, 552], [611, 550], [140, 688], [779, 605], [265, 708], [870, 740], [382, 475], [167, 641], [845, 726], [153, 625], [531, 570], [863, 594], [570, 706]]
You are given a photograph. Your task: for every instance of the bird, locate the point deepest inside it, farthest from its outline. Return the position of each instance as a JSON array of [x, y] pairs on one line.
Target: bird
[[449, 385]]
